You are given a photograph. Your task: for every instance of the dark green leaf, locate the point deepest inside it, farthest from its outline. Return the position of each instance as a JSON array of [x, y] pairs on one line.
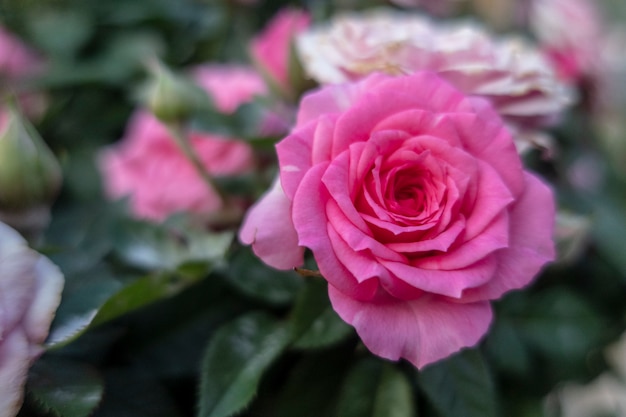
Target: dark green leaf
[[235, 361], [65, 388], [314, 323], [322, 372], [255, 279], [133, 393], [140, 293], [377, 389], [460, 386]]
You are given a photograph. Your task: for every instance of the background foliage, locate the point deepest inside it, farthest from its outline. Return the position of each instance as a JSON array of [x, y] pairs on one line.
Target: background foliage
[[167, 320]]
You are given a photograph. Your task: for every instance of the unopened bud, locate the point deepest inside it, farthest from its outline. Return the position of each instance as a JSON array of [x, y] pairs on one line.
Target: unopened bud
[[30, 174], [169, 97]]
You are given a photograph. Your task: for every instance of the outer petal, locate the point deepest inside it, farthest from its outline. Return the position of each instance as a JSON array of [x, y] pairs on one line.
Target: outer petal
[[421, 331], [15, 360], [530, 247], [269, 229]]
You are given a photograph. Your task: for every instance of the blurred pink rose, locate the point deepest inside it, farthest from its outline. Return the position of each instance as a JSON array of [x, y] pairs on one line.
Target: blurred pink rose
[[233, 85], [570, 33], [148, 155], [229, 85], [148, 166], [17, 64], [515, 77], [271, 48], [413, 200], [30, 290]]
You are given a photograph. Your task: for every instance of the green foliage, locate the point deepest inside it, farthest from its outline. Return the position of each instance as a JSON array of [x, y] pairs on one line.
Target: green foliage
[[65, 388], [377, 389], [253, 278], [314, 323], [460, 386], [235, 360]]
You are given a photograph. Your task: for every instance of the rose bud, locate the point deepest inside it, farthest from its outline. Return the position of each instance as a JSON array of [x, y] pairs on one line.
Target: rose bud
[[169, 97], [30, 174]]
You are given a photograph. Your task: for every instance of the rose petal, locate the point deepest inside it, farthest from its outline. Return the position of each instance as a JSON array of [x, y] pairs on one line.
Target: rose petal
[[268, 228], [421, 331], [530, 246]]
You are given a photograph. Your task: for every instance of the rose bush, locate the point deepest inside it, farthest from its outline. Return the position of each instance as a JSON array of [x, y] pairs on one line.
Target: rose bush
[[414, 202], [510, 72], [30, 290], [148, 155]]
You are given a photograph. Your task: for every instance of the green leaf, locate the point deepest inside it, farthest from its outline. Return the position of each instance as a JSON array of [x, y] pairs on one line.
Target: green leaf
[[255, 279], [322, 372], [140, 293], [558, 323], [135, 393], [460, 386], [168, 246], [375, 388], [314, 323], [609, 229], [65, 388], [235, 361], [84, 293]]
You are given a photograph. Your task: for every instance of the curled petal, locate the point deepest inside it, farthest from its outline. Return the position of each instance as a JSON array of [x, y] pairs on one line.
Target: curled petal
[[268, 228]]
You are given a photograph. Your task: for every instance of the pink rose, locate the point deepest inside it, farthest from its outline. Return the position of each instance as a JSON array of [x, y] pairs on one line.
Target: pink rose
[[271, 48], [509, 72], [30, 290], [148, 166], [574, 53], [229, 85], [414, 203], [148, 154]]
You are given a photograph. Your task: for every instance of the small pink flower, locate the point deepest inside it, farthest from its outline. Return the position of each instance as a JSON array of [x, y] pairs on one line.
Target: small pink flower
[[229, 85], [570, 32], [148, 166], [30, 290], [414, 202], [271, 48], [514, 76]]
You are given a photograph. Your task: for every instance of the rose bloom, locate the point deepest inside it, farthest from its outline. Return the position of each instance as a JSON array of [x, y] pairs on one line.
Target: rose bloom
[[30, 290], [271, 48], [413, 200], [148, 166], [515, 77], [574, 53]]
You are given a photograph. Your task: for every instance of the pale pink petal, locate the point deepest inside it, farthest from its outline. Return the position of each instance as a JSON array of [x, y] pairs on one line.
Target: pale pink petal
[[268, 228], [422, 331]]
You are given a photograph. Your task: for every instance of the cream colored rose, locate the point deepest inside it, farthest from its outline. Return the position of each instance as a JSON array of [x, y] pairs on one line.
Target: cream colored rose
[[509, 72]]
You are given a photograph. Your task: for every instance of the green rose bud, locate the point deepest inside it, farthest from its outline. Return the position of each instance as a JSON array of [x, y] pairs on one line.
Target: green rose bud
[[30, 175], [171, 98]]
